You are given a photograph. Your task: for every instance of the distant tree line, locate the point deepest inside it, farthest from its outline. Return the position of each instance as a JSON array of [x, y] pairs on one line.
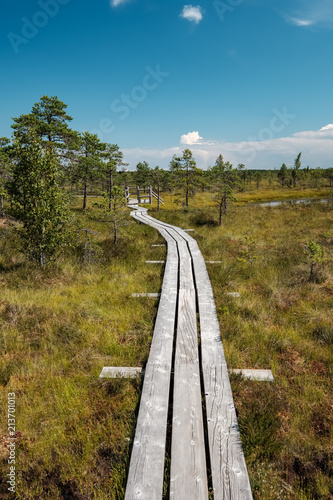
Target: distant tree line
[[46, 160]]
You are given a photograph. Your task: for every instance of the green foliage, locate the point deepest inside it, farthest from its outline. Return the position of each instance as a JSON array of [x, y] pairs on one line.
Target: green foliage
[[295, 171], [88, 164], [5, 164], [283, 175], [316, 256], [143, 174], [225, 179], [113, 158], [49, 119], [185, 173], [37, 200]]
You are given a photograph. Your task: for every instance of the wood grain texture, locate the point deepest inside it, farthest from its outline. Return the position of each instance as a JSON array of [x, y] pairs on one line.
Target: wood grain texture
[[188, 461], [120, 372], [255, 374], [229, 472], [146, 471]]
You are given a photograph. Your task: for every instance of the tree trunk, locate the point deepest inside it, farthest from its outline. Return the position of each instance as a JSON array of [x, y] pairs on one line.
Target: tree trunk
[[110, 188], [220, 218], [42, 259], [85, 196]]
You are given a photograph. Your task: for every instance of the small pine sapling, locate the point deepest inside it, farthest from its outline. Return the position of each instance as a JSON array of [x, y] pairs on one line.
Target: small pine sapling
[[316, 256]]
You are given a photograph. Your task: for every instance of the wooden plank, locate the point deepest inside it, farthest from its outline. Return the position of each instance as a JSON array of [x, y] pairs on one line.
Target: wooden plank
[[229, 472], [150, 295], [255, 374], [146, 471], [185, 270], [188, 460], [120, 372]]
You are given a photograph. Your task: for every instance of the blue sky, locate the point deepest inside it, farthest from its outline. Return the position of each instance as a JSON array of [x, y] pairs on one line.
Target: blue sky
[[250, 79]]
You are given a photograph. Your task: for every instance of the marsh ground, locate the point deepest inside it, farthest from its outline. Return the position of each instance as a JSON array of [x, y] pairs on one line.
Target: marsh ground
[[60, 326]]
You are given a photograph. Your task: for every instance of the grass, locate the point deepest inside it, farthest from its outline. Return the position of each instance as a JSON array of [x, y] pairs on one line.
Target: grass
[[60, 326], [267, 192]]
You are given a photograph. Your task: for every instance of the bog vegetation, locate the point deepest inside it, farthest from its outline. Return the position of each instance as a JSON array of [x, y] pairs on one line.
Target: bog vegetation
[[70, 258]]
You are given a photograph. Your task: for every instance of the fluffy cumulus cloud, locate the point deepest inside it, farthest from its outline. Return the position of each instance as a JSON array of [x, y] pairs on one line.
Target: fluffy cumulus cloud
[[191, 13], [327, 127], [190, 138]]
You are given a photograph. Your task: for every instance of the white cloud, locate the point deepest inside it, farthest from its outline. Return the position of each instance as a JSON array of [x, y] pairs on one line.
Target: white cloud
[[327, 127], [115, 3], [190, 138], [300, 22], [192, 13], [316, 147], [306, 13]]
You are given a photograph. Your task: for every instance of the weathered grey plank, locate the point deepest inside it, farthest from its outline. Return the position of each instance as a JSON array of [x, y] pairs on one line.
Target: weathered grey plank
[[229, 472], [151, 295], [255, 374], [188, 461], [120, 372], [146, 471]]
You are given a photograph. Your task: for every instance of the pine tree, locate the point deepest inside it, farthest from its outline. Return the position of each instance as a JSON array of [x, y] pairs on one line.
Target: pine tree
[[114, 158], [186, 173], [295, 169], [37, 200], [88, 163], [49, 120], [225, 179]]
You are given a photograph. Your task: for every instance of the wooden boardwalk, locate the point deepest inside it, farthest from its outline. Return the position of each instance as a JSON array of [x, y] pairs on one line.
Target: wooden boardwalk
[[205, 441]]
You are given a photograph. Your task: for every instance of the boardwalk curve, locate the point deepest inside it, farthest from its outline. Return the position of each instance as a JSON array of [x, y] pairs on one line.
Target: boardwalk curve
[[200, 380]]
